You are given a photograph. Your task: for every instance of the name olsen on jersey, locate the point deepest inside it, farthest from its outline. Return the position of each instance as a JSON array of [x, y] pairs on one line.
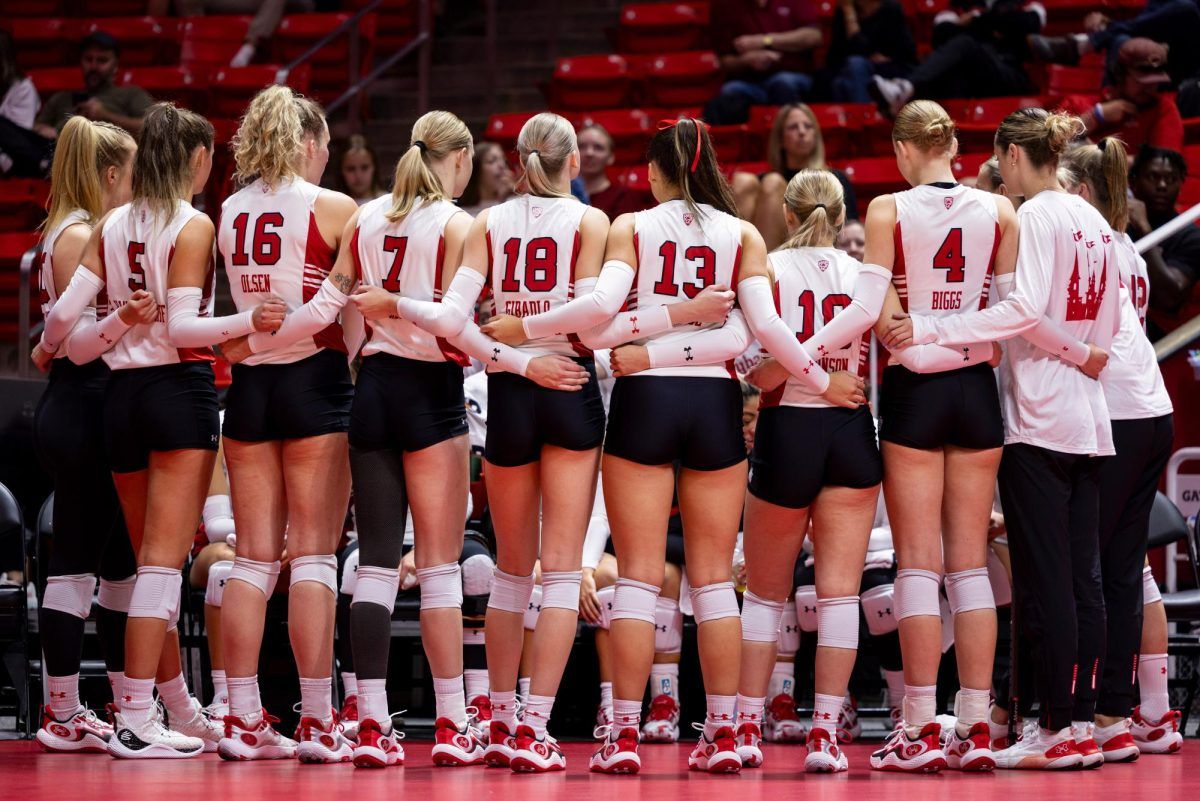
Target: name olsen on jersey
[[256, 282]]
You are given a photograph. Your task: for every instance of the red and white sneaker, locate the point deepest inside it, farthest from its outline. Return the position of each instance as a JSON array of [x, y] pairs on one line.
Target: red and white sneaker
[[1116, 742], [244, 741], [322, 742], [482, 706], [375, 747], [349, 716], [920, 754], [848, 727], [454, 747], [972, 753], [662, 724], [617, 755], [502, 744], [536, 754], [603, 722], [998, 732], [748, 738], [781, 724], [824, 755], [718, 755], [80, 732], [1156, 737], [1040, 750], [1085, 744]]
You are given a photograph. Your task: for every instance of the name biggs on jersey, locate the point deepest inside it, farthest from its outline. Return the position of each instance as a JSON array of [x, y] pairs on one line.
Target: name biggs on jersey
[[947, 300]]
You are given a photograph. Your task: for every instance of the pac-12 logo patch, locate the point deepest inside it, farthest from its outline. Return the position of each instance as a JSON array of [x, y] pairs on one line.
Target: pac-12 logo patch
[[823, 265], [687, 219], [537, 211], [948, 202]]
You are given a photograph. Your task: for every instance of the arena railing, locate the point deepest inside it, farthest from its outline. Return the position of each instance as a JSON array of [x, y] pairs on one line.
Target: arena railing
[[1187, 333]]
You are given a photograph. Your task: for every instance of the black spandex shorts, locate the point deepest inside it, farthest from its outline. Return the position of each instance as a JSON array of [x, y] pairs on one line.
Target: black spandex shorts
[[658, 420], [169, 407], [799, 450], [675, 550], [406, 404], [523, 417], [307, 398], [931, 410]]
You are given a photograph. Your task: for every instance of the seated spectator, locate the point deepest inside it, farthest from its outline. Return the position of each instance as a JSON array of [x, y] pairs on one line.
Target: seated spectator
[[765, 48], [870, 37], [979, 49], [1133, 108], [595, 157], [852, 239], [1155, 179], [491, 179], [267, 14], [18, 107], [358, 170], [99, 99]]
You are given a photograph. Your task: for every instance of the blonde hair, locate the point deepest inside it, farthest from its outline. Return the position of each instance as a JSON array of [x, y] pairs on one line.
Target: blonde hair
[[545, 144], [926, 125], [435, 136], [1102, 166], [270, 138], [815, 197], [776, 156], [162, 171], [1042, 135], [85, 149]]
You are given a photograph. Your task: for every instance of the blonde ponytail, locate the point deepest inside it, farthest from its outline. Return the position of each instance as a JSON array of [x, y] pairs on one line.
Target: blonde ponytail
[[815, 197], [435, 136], [270, 138], [1102, 168], [545, 145], [85, 149]]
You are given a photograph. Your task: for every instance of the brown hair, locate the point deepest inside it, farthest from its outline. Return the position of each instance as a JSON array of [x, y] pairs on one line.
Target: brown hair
[[271, 135], [162, 173], [926, 125], [85, 149], [545, 144], [691, 165], [816, 198], [471, 196], [1042, 135], [777, 157], [355, 143], [1103, 167], [435, 135]]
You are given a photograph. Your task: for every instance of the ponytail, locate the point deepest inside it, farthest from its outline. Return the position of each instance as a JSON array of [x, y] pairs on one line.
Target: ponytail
[[1102, 168], [270, 138], [435, 136], [162, 173], [545, 144], [683, 151], [84, 150], [815, 197]]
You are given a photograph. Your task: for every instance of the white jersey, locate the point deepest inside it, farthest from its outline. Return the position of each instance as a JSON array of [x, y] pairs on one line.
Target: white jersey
[[533, 244], [1133, 384], [47, 291], [404, 258], [136, 251], [811, 286], [270, 243], [678, 255]]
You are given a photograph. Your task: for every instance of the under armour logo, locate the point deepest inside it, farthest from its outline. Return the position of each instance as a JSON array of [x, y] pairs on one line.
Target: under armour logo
[[824, 716], [810, 609], [633, 322], [884, 612], [495, 354], [57, 695], [688, 354], [809, 367], [660, 628], [822, 350], [966, 354]]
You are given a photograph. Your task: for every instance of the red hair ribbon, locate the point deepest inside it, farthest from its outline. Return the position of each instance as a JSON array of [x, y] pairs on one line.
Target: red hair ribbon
[[664, 124]]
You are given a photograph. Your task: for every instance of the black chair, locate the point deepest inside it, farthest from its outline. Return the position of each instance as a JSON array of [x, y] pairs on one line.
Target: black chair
[[1167, 525], [14, 615]]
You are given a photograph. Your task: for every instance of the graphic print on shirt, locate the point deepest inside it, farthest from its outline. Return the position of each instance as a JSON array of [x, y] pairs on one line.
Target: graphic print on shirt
[[1084, 299]]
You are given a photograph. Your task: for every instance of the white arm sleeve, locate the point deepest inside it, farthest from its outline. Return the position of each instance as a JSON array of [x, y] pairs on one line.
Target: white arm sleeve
[[628, 326], [847, 325], [711, 346], [187, 329], [493, 354], [310, 319], [940, 358], [758, 302], [85, 285], [446, 318], [589, 308], [90, 339], [597, 532], [1047, 334]]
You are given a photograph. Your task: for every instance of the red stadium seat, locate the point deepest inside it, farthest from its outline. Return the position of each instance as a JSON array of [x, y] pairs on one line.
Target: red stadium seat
[[590, 82], [1189, 193], [395, 22], [56, 79], [1191, 131], [30, 8], [12, 247], [211, 41], [1062, 81], [636, 180], [630, 129], [682, 79], [731, 142], [871, 177], [180, 85], [22, 203], [144, 41], [503, 129], [330, 64], [967, 165], [662, 27], [233, 87], [43, 42], [111, 8], [977, 120]]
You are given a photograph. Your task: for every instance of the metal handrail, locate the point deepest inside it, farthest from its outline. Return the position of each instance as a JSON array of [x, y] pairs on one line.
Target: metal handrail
[[24, 292], [373, 75], [282, 74], [1187, 333]]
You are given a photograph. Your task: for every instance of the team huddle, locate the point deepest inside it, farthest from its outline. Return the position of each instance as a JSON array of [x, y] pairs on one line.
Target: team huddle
[[1076, 433]]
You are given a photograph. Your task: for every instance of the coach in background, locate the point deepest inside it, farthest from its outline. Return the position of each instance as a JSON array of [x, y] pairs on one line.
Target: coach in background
[[100, 99]]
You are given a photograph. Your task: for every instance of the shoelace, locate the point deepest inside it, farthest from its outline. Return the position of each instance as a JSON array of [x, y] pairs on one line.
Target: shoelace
[[90, 717]]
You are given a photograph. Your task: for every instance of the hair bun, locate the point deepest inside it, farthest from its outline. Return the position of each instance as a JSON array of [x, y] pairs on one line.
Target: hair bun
[[1061, 130]]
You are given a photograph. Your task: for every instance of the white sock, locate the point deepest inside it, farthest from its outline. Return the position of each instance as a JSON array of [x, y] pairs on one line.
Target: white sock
[[606, 699], [626, 714], [220, 688], [720, 713], [175, 697], [116, 683], [244, 701], [523, 687], [137, 701], [664, 680], [895, 685], [783, 679], [826, 709], [64, 694], [920, 707], [537, 713], [504, 708], [1152, 679], [750, 710], [349, 684], [476, 682], [372, 701], [449, 701], [970, 707], [316, 697]]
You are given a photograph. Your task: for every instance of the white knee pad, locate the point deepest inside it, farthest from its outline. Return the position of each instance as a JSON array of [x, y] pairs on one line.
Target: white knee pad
[[156, 593], [837, 622], [606, 595], [761, 618], [789, 630], [560, 589], [634, 600], [714, 602], [116, 595], [998, 578], [218, 518], [71, 595], [350, 574], [218, 576], [806, 608], [969, 590], [533, 609], [320, 569], [877, 604], [260, 575], [668, 626], [377, 585], [510, 593], [1150, 593], [441, 586], [477, 572], [916, 593]]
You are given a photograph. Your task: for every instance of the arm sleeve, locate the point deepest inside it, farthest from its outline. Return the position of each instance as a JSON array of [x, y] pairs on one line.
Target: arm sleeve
[[187, 329], [589, 308], [1047, 335], [473, 342], [310, 319], [597, 533], [758, 302], [711, 346], [91, 338], [940, 358], [847, 325], [447, 317], [628, 326], [85, 285]]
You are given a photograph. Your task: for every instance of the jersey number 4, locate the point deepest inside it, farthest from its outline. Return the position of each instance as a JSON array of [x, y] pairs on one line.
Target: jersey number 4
[[949, 257], [266, 243], [541, 265], [705, 260]]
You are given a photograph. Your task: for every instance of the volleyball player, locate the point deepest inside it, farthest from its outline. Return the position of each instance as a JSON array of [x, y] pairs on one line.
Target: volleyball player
[[1154, 725]]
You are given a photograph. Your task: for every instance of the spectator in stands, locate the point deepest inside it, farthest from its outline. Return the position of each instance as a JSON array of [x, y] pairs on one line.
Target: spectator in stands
[[870, 37], [1133, 107], [18, 107], [979, 49], [765, 48], [100, 99], [853, 239], [358, 170], [989, 180], [492, 179], [267, 14], [1155, 180], [595, 157]]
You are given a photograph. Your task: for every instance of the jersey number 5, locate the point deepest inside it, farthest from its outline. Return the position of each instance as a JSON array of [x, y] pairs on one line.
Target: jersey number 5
[[137, 273], [267, 244], [541, 265], [706, 270], [949, 257]]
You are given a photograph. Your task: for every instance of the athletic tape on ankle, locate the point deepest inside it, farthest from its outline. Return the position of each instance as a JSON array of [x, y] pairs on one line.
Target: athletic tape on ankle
[[789, 630], [318, 569], [837, 622], [350, 574], [668, 626], [377, 585], [116, 595], [714, 602], [441, 586], [1150, 593], [760, 618], [917, 593], [532, 609], [634, 600], [606, 596], [806, 608], [510, 593], [262, 576], [560, 589], [218, 577], [969, 590], [877, 605], [71, 595], [156, 593]]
